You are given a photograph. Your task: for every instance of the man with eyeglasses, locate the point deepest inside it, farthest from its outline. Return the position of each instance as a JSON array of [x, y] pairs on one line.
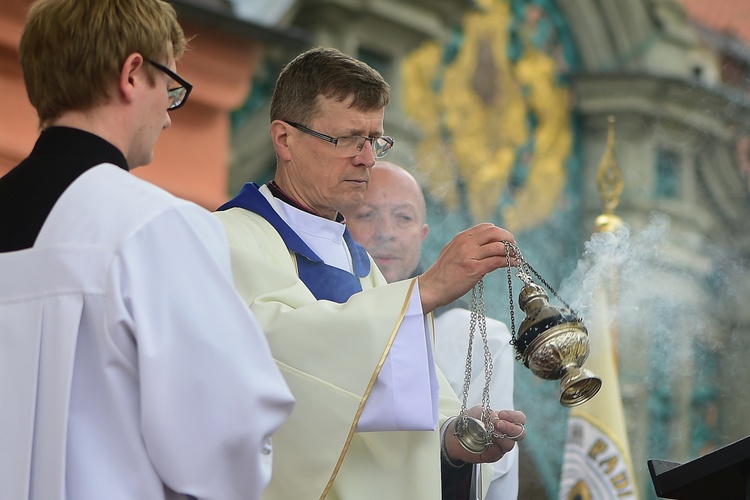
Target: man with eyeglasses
[[372, 419], [129, 366]]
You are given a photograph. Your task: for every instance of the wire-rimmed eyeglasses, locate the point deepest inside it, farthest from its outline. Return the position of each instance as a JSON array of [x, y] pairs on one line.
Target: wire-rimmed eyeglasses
[[178, 95], [351, 145]]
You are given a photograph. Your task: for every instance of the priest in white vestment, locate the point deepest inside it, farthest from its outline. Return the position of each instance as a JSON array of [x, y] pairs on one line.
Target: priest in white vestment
[[357, 352]]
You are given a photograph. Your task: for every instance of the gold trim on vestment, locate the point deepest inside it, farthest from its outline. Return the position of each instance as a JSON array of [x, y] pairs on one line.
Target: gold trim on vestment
[[367, 392], [293, 255]]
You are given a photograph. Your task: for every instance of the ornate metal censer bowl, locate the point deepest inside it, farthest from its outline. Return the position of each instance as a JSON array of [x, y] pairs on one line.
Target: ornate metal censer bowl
[[553, 343]]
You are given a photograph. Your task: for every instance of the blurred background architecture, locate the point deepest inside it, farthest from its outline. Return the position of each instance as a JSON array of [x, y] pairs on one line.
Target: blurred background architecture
[[192, 158], [501, 108]]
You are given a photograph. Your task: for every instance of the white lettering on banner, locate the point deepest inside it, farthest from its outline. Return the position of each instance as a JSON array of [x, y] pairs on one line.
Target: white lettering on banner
[[593, 466]]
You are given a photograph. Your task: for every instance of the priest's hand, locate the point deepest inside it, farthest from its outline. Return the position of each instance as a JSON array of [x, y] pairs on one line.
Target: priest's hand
[[462, 262], [508, 430]]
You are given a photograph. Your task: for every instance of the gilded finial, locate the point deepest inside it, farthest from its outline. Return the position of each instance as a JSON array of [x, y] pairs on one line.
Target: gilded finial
[[610, 183]]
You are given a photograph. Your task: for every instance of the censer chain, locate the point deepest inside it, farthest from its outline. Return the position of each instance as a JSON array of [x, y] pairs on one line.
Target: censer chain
[[478, 320]]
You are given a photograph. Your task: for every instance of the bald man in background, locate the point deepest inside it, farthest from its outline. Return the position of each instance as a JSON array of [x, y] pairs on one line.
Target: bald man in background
[[391, 225]]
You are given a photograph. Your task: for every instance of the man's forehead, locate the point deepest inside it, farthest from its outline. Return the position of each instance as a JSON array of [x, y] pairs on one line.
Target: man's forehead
[[388, 203], [330, 107]]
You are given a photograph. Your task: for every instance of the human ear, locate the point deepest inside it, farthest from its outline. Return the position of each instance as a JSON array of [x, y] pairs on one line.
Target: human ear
[[280, 139], [129, 74]]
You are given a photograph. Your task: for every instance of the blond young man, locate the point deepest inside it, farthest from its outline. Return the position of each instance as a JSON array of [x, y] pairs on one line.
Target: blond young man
[[129, 367]]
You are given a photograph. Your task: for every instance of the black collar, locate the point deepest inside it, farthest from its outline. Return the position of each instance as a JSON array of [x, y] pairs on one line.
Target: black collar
[[31, 189]]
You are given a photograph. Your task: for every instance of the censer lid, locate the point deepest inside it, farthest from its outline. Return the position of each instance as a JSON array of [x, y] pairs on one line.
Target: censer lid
[[540, 316]]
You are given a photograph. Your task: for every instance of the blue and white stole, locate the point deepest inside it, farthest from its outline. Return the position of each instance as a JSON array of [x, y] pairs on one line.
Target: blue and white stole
[[324, 281]]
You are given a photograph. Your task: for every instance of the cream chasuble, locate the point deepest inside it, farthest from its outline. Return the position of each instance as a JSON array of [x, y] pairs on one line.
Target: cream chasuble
[[331, 355], [404, 396]]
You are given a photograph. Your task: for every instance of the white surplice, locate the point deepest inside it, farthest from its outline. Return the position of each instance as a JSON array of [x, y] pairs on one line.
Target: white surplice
[[129, 367]]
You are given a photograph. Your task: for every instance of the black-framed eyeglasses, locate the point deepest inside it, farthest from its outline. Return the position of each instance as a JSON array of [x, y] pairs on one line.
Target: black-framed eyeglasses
[[178, 95], [351, 145]]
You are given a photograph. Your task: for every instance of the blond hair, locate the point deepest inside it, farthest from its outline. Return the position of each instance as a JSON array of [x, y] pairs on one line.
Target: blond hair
[[71, 50]]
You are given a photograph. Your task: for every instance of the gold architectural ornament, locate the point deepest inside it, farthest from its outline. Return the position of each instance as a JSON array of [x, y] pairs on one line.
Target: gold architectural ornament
[[610, 184], [474, 113]]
